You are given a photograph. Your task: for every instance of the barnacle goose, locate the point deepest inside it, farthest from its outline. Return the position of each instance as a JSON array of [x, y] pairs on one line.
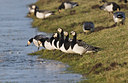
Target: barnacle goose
[[119, 17], [81, 47], [110, 7], [67, 5], [47, 43], [56, 41], [36, 40], [61, 40], [88, 27], [67, 43], [31, 8], [42, 14]]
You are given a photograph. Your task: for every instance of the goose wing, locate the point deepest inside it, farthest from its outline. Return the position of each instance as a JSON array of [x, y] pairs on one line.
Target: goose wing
[[38, 37], [87, 46]]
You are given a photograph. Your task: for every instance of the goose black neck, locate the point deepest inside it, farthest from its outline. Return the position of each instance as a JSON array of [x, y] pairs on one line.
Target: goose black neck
[[67, 38], [43, 40], [36, 9], [62, 35], [74, 41], [31, 40], [51, 39], [61, 6], [74, 38], [57, 38], [61, 41]]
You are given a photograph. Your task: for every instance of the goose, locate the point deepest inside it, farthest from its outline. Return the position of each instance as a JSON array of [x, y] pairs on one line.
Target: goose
[[61, 40], [67, 5], [56, 42], [36, 40], [81, 47], [88, 27], [47, 43], [119, 17], [31, 8], [67, 43], [42, 14], [110, 7]]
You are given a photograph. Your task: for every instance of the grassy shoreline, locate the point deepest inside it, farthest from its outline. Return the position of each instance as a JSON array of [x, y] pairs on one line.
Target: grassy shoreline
[[106, 66]]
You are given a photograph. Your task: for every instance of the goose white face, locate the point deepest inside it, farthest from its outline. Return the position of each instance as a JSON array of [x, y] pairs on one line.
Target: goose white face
[[28, 43], [65, 33], [55, 35], [33, 6], [59, 30], [73, 33]]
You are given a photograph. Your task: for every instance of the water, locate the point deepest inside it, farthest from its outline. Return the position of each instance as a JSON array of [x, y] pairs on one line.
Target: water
[[15, 64]]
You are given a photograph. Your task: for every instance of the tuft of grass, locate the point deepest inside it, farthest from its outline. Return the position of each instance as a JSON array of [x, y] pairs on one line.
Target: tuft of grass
[[106, 66]]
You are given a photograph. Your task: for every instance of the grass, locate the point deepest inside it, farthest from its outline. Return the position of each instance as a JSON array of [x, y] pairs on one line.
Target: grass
[[106, 66]]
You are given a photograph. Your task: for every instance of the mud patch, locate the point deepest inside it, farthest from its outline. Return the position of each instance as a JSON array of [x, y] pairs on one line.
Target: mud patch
[[72, 12], [123, 6], [54, 18], [84, 11], [63, 0], [99, 28], [99, 67], [95, 7]]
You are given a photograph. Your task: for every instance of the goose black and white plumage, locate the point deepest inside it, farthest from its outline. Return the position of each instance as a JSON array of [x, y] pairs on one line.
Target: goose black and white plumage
[[61, 40], [36, 40], [110, 7], [88, 27], [55, 43], [67, 43], [42, 14], [67, 5], [31, 8], [47, 43], [81, 47], [119, 17]]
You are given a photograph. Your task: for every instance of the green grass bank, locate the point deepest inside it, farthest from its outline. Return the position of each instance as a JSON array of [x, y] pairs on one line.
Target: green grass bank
[[110, 65]]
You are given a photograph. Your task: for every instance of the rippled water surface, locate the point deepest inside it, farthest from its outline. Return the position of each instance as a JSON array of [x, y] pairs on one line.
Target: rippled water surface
[[15, 64]]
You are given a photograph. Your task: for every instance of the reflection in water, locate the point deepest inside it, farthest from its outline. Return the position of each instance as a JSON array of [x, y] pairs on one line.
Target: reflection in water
[[15, 65]]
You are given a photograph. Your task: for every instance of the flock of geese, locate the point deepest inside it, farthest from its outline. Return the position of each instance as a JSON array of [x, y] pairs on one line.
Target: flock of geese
[[60, 40]]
